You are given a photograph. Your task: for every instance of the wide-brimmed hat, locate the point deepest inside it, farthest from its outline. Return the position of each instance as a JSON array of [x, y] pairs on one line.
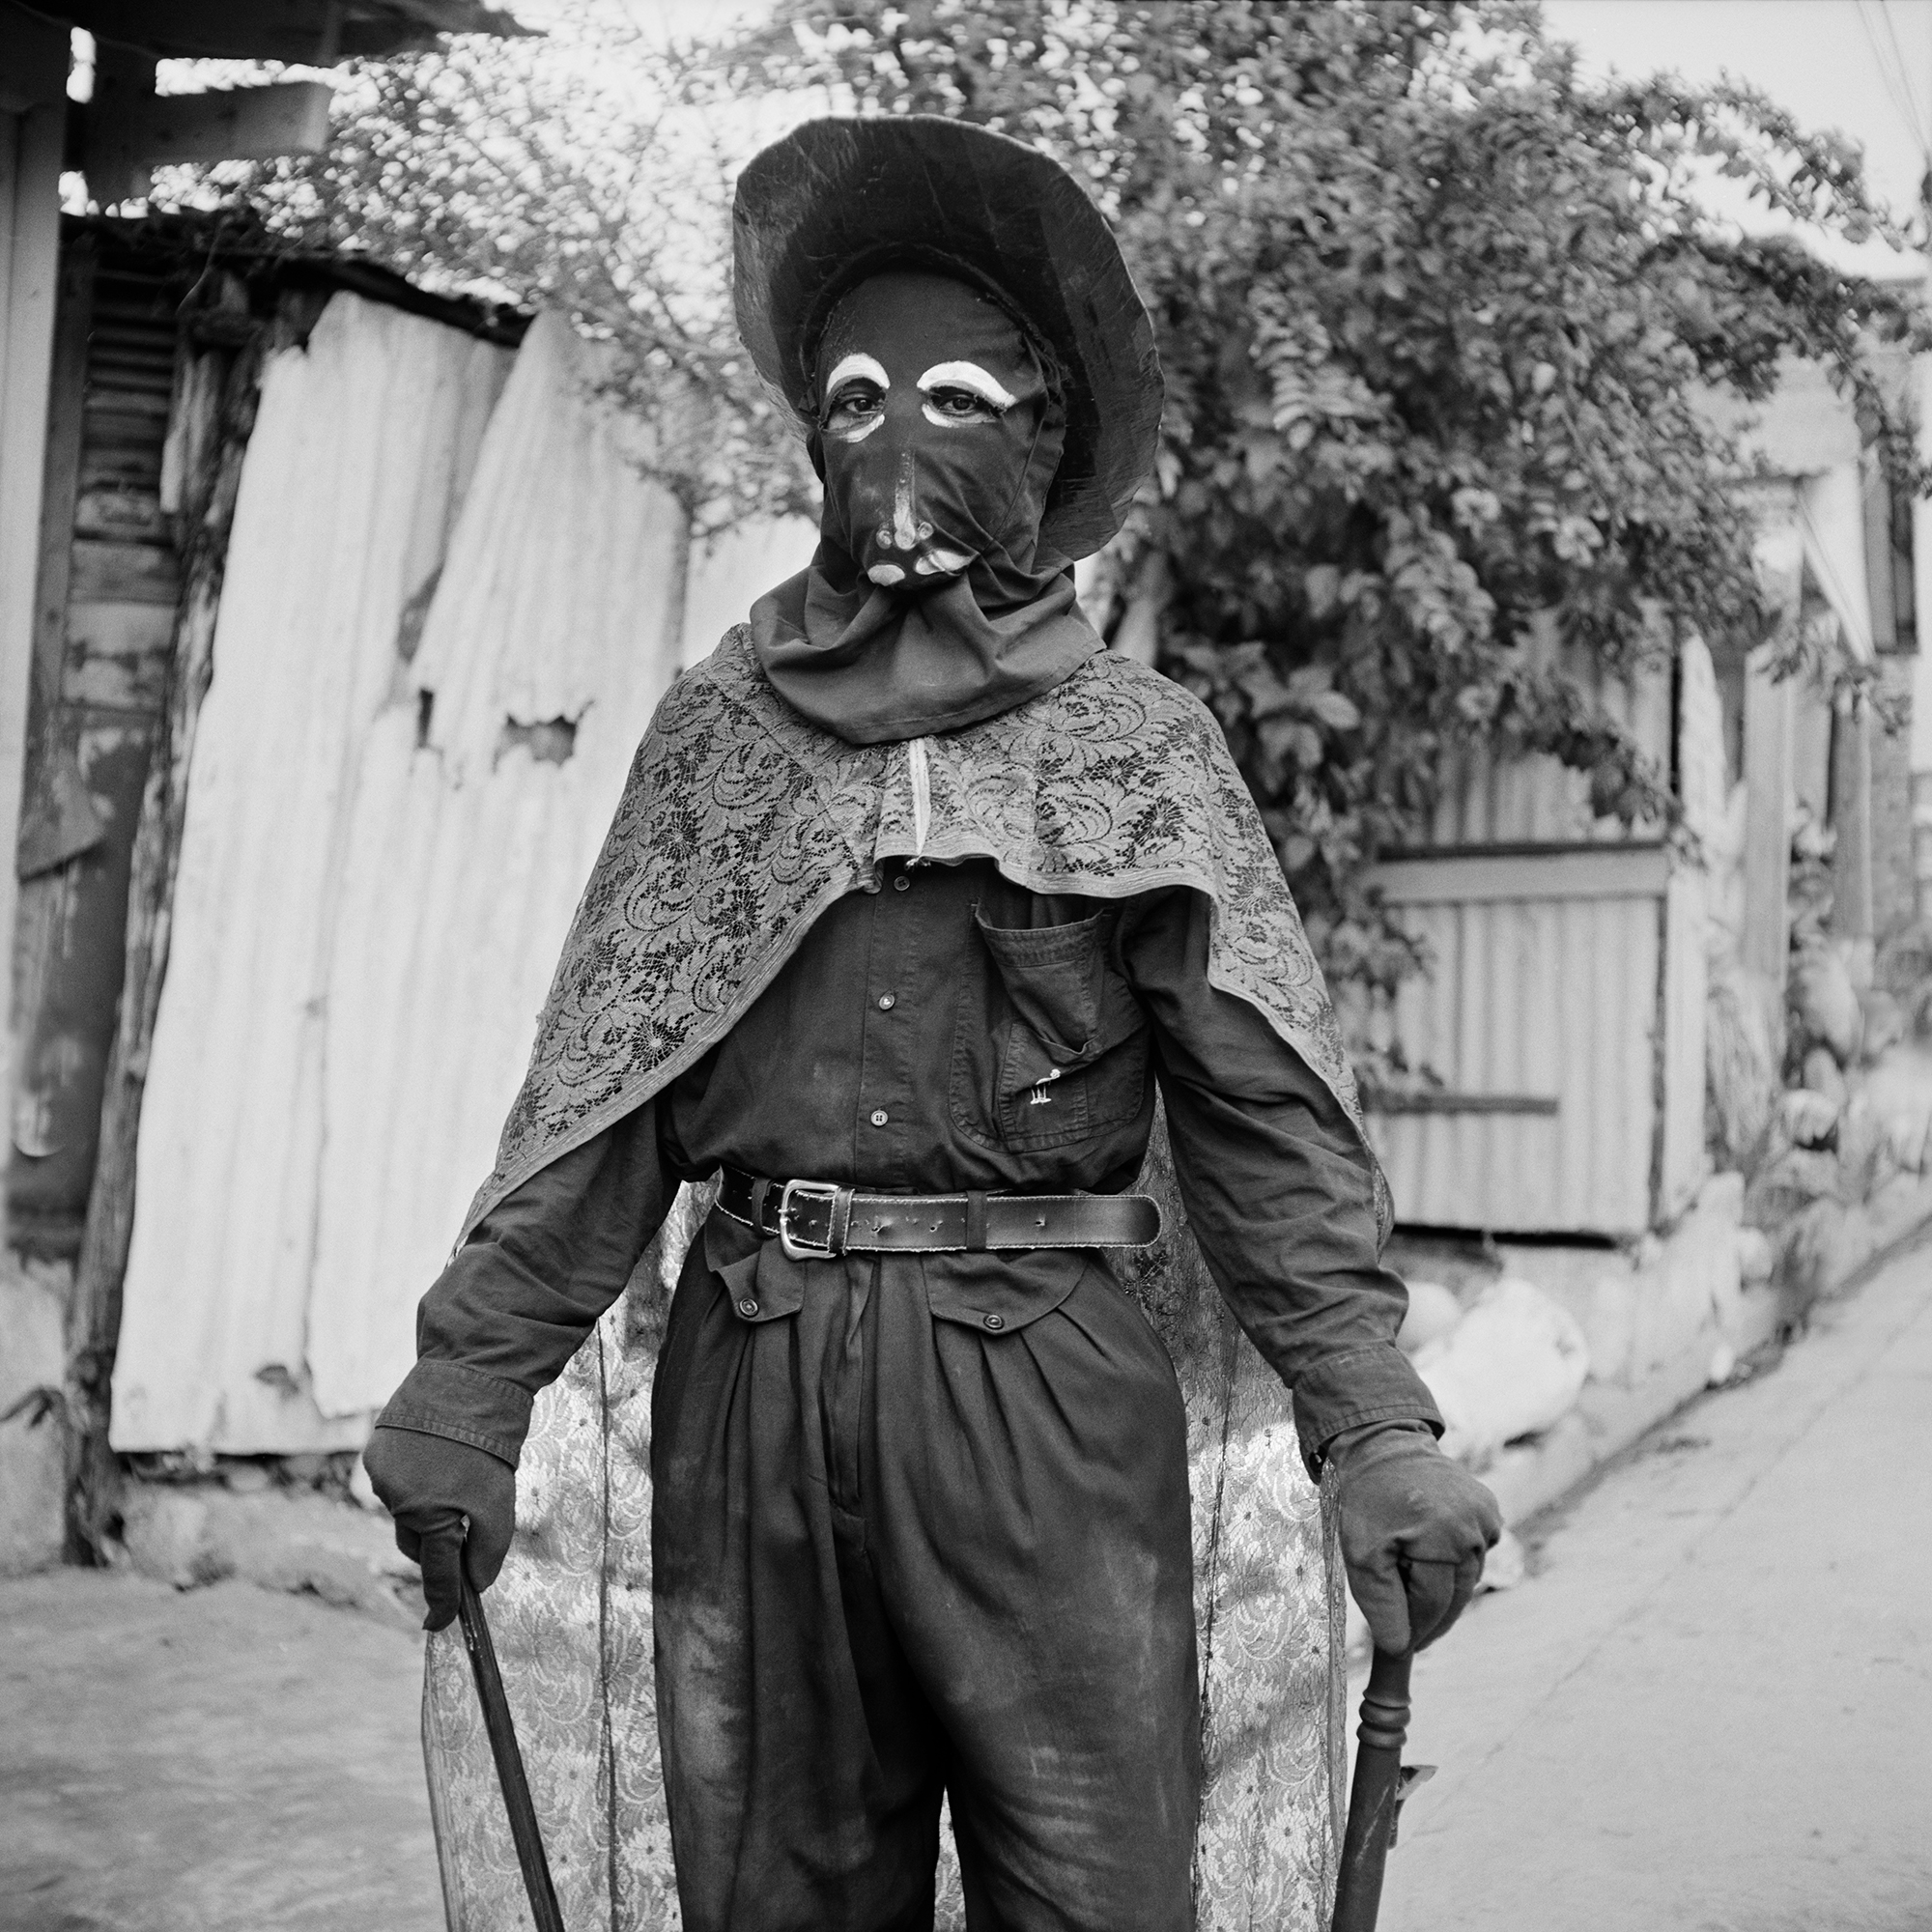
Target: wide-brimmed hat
[[839, 199]]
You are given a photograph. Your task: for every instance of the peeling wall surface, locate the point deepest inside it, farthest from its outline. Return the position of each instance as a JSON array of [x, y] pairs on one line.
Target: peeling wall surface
[[485, 793], [354, 475]]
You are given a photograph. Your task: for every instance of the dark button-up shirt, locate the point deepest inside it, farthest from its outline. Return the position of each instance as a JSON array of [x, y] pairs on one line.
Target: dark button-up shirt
[[947, 1030]]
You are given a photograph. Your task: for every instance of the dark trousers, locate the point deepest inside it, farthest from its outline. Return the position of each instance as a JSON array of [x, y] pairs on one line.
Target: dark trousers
[[899, 1554]]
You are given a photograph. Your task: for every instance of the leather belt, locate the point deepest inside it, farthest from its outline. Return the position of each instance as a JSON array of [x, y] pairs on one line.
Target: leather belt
[[816, 1220]]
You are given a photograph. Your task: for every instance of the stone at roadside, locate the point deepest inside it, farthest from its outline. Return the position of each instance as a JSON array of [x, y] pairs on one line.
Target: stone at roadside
[[1826, 1001], [246, 1479], [1688, 1282], [1610, 1324], [1514, 1365], [1506, 1565], [361, 1489], [1883, 1023], [293, 1539], [1724, 1365], [1822, 1075], [1432, 1312], [169, 1535], [1809, 1119], [1756, 1256]]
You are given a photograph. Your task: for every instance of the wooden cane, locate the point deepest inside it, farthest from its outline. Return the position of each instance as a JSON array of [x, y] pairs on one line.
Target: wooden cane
[[1374, 1793], [502, 1730]]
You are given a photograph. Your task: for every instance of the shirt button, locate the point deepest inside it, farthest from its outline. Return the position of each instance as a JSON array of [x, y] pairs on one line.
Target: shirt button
[[902, 884], [996, 1322], [887, 1000], [748, 1306], [880, 1117]]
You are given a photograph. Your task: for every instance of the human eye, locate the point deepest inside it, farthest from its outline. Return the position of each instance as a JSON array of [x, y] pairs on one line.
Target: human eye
[[960, 406], [853, 403], [963, 393], [855, 396]]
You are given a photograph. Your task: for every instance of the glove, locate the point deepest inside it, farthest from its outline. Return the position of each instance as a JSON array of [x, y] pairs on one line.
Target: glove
[[1414, 1528], [431, 1484]]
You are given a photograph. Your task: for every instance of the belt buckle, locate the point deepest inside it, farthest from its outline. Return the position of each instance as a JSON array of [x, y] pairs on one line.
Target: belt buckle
[[794, 1249]]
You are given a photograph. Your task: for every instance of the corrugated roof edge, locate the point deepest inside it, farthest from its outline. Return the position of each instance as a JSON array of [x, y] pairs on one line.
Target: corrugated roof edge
[[308, 32], [225, 239]]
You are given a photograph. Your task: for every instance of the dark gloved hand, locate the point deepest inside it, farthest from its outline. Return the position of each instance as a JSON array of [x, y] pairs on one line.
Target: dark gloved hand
[[1414, 1528], [431, 1484]]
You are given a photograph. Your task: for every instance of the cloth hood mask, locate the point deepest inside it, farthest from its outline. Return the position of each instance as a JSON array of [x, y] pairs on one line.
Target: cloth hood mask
[[932, 602]]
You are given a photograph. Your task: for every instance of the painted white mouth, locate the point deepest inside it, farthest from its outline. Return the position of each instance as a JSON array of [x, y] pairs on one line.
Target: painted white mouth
[[941, 563], [889, 573]]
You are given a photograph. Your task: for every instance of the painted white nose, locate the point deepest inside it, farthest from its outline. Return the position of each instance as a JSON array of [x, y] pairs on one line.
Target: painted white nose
[[906, 533]]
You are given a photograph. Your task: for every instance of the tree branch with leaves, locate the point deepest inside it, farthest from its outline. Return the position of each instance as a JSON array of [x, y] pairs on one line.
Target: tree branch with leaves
[[1441, 322]]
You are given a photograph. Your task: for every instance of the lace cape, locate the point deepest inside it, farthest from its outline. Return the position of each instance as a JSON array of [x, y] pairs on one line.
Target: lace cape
[[740, 823]]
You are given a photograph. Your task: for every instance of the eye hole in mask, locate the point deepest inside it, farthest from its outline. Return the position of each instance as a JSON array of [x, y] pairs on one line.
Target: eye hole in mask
[[963, 393], [855, 395]]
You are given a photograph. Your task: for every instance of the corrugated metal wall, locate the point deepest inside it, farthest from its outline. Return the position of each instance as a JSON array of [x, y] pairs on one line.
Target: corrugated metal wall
[[1564, 1004], [1541, 1019], [485, 794], [361, 448], [1488, 798], [453, 600]]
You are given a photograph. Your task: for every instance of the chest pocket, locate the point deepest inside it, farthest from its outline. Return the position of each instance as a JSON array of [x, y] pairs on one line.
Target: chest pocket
[[1058, 1051]]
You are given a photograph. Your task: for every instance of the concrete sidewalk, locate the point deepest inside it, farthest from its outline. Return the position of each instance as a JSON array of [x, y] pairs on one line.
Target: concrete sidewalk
[[1709, 1708], [223, 1760]]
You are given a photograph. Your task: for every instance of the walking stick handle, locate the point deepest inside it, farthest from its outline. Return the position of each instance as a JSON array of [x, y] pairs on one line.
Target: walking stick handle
[[1374, 1793], [502, 1730]]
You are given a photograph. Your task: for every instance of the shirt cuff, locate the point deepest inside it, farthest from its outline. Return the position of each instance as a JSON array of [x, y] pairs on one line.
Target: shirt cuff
[[464, 1404], [1377, 1383]]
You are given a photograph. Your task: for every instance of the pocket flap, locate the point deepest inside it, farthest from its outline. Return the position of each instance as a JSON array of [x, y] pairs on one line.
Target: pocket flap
[[761, 1281], [1000, 1294], [1054, 975]]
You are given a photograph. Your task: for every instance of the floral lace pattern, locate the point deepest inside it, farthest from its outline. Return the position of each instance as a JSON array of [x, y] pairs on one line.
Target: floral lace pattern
[[741, 822]]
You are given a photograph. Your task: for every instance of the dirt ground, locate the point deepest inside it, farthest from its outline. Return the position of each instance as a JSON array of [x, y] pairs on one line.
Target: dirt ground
[[223, 1760]]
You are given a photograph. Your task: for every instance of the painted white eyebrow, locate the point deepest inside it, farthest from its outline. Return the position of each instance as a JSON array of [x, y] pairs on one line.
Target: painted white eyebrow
[[965, 376], [857, 365]]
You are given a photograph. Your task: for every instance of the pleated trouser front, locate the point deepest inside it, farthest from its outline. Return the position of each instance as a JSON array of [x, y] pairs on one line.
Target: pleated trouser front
[[899, 1554]]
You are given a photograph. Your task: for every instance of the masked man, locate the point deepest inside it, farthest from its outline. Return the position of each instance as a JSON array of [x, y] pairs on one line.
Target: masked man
[[916, 898]]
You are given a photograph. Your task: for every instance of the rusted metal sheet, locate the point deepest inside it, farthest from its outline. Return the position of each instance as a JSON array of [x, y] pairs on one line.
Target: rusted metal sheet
[[1541, 1018], [104, 630], [485, 792], [352, 480], [68, 960]]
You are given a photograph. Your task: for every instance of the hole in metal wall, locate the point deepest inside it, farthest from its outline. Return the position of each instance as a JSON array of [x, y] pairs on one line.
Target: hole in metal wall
[[549, 742]]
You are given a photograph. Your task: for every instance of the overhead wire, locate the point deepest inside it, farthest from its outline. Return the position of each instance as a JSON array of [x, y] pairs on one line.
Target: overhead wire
[[1894, 76], [1904, 71]]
